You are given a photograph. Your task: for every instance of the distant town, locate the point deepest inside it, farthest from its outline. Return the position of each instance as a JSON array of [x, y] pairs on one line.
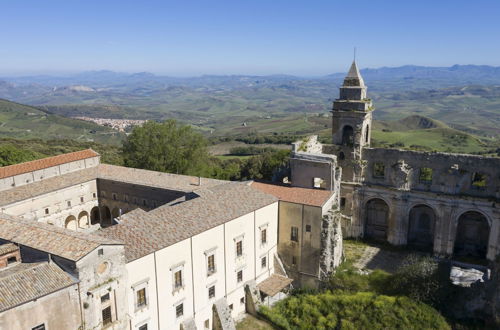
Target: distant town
[[121, 125]]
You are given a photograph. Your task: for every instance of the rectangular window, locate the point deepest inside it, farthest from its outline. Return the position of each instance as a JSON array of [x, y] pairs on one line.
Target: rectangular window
[[294, 260], [231, 307], [141, 297], [178, 279], [263, 236], [114, 197], [82, 199], [210, 264], [68, 203], [425, 175], [179, 310], [105, 298], [342, 202], [11, 260], [46, 211], [378, 170], [100, 252], [294, 234], [263, 262], [239, 248], [39, 327], [239, 276], [94, 195], [308, 228], [106, 316], [211, 292], [479, 181]]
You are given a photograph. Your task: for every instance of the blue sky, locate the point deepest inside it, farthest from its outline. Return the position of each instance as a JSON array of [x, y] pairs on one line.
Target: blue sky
[[184, 38]]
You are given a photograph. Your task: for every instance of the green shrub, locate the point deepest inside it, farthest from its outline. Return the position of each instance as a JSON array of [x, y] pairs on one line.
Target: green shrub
[[363, 310]]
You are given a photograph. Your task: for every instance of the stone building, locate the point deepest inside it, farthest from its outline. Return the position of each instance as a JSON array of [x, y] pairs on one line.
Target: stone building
[[153, 251], [444, 203]]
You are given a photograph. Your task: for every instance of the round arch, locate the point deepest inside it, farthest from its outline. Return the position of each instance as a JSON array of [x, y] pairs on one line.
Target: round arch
[[347, 135], [105, 216], [421, 226], [472, 235], [376, 219], [95, 215], [70, 223], [83, 219]]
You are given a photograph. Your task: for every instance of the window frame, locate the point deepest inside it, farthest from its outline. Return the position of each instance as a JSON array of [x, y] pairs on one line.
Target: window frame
[[294, 234]]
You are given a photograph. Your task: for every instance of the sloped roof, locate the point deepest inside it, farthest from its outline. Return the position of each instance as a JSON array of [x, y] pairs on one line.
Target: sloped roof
[[7, 248], [26, 282], [156, 179], [40, 164], [48, 185], [274, 284], [354, 76], [146, 232], [312, 197], [66, 243]]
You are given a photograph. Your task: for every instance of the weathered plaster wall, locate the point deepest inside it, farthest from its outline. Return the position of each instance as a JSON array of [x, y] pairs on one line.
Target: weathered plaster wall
[[59, 310]]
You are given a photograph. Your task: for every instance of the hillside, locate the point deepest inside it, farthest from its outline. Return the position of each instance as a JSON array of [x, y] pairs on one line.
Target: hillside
[[423, 133], [25, 122]]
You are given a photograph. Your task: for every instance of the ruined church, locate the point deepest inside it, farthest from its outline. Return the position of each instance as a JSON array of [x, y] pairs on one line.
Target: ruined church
[[86, 245]]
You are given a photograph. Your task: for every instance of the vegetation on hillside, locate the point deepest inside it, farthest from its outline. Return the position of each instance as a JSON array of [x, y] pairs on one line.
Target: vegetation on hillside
[[26, 122]]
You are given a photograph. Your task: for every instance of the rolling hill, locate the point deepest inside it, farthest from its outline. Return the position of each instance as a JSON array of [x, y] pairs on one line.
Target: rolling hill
[[25, 122]]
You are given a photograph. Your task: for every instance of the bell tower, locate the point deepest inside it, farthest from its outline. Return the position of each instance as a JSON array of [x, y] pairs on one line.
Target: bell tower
[[351, 124]]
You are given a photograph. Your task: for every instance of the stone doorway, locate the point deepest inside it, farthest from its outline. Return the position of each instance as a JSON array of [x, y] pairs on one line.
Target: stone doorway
[[421, 226], [377, 218]]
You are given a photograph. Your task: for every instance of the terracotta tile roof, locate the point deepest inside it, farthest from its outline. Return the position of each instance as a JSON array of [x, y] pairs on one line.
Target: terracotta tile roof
[[146, 232], [7, 248], [48, 185], [313, 197], [274, 284], [8, 171], [62, 242], [156, 179], [26, 282]]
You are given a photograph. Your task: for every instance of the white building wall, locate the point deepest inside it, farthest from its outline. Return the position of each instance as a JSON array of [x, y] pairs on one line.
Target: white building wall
[[57, 204], [177, 256], [205, 244], [141, 273], [190, 255]]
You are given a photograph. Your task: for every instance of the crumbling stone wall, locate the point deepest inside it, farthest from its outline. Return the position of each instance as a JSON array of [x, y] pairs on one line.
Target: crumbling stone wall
[[331, 244]]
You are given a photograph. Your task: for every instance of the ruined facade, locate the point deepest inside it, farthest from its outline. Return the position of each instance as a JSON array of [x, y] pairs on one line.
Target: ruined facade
[[440, 202]]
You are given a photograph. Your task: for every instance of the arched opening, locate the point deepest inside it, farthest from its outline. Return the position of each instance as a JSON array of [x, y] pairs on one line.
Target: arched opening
[[115, 213], [347, 136], [471, 239], [341, 155], [367, 133], [421, 227], [83, 219], [95, 216], [70, 223], [377, 218], [106, 217]]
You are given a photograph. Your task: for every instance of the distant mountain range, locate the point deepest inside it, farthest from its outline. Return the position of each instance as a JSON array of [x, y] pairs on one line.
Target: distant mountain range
[[408, 75]]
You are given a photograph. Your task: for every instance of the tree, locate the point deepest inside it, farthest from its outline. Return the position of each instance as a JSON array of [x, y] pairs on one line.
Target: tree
[[9, 155], [166, 147]]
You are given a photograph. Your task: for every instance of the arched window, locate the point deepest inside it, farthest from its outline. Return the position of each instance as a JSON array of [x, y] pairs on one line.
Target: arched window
[[347, 136]]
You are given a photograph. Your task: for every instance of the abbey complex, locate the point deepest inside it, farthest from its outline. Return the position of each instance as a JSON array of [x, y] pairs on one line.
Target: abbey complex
[[86, 245]]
